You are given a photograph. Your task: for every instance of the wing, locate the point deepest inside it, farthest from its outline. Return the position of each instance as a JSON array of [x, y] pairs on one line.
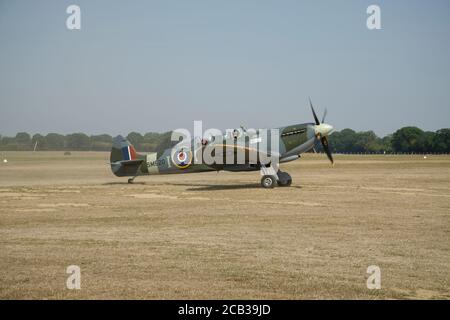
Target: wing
[[232, 155]]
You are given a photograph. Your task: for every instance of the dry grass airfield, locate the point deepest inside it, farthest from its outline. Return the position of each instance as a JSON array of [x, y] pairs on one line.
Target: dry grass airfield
[[215, 236]]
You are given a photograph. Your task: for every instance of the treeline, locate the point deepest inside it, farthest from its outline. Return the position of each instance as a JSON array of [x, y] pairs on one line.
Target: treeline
[[23, 141], [404, 140]]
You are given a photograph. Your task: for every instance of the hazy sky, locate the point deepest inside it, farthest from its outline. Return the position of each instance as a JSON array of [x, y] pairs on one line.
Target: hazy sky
[[159, 65]]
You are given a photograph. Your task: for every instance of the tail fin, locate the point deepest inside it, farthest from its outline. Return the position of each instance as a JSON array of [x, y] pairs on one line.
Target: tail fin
[[122, 149], [125, 161]]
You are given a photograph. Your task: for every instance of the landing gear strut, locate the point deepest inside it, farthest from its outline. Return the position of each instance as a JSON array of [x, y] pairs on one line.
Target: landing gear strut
[[131, 180], [270, 178]]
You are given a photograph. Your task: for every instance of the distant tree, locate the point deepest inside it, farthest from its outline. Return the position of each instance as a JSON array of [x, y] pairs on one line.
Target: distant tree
[[41, 142], [152, 137], [78, 141], [8, 143], [348, 140], [102, 142], [151, 141], [427, 141], [102, 138], [342, 141], [367, 141], [135, 138], [23, 139], [55, 141], [165, 143], [4, 141], [386, 143], [408, 139], [441, 141]]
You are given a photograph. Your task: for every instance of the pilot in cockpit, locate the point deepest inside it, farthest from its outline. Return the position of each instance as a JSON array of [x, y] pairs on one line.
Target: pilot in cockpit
[[236, 134]]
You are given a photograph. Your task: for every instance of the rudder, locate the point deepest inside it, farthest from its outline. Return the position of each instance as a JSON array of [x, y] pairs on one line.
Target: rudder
[[124, 159], [122, 149]]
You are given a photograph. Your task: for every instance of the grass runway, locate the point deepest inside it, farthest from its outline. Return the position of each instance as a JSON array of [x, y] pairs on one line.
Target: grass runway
[[222, 236]]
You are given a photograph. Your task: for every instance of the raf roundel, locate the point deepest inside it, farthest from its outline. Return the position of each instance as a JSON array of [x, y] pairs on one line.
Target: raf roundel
[[182, 159], [181, 156]]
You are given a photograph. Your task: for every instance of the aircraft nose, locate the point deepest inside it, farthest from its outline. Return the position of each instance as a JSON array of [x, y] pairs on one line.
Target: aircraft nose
[[324, 129], [328, 129]]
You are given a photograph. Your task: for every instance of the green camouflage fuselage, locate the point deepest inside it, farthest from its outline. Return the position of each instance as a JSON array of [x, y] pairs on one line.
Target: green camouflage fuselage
[[292, 141]]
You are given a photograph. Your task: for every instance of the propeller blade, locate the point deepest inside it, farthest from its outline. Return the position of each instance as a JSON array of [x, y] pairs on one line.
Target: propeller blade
[[324, 115], [314, 113], [326, 148]]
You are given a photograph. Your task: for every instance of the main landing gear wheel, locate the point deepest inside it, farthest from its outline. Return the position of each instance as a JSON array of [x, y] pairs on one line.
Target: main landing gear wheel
[[268, 181], [131, 180], [284, 179]]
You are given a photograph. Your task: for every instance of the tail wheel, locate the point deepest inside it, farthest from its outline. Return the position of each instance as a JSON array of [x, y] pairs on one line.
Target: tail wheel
[[268, 181]]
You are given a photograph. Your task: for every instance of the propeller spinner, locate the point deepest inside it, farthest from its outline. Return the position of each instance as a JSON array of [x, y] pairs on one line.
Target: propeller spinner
[[322, 130]]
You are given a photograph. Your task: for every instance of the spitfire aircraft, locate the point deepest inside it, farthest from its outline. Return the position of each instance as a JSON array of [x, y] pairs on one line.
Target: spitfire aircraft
[[293, 140]]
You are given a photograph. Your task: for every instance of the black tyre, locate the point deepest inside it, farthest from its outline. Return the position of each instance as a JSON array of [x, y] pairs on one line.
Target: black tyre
[[268, 181], [284, 179], [285, 183]]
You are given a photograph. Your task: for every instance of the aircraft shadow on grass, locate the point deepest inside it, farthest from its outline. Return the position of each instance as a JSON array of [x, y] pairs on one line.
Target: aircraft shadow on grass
[[227, 187], [200, 187], [122, 183]]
